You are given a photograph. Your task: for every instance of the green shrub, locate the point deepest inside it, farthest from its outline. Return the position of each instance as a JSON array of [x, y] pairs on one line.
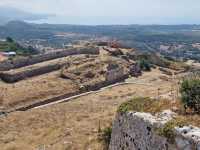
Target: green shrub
[[190, 92], [136, 104], [145, 65], [9, 39], [105, 136], [168, 129]]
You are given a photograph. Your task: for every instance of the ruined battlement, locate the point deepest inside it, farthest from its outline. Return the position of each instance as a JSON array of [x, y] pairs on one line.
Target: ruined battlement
[[40, 64], [22, 62]]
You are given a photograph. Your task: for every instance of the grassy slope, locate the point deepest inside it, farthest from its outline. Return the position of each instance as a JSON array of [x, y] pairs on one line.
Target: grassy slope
[[155, 106]]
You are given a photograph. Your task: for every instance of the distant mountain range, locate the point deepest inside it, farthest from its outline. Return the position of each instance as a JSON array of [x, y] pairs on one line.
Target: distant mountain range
[[9, 14], [144, 37]]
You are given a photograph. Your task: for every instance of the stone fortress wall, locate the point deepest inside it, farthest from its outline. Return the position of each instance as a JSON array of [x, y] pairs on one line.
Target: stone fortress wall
[[22, 62], [14, 77], [10, 77]]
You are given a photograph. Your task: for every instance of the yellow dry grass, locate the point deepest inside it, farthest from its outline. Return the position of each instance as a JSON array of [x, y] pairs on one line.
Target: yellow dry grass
[[73, 125]]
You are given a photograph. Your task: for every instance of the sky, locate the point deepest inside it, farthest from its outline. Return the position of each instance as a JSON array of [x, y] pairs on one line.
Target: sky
[[113, 11]]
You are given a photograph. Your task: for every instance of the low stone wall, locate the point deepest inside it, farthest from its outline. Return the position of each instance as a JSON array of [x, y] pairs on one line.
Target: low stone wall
[[105, 83], [138, 131], [21, 62], [41, 102], [115, 74], [11, 78], [166, 71], [21, 107]]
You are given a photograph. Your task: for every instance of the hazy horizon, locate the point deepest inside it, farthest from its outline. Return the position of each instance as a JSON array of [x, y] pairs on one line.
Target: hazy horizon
[[108, 21], [104, 12]]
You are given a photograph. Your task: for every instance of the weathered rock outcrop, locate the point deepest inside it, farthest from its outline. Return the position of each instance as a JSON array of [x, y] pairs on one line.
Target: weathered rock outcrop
[[139, 131]]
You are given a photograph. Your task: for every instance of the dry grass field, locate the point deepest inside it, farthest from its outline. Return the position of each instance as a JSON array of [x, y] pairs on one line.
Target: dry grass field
[[33, 89], [74, 125]]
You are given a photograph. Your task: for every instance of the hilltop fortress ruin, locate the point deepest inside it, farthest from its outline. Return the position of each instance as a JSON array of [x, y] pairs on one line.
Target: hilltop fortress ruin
[[87, 68]]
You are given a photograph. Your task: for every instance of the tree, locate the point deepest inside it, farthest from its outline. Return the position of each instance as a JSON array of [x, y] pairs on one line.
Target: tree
[[145, 65], [190, 92], [9, 39], [32, 50]]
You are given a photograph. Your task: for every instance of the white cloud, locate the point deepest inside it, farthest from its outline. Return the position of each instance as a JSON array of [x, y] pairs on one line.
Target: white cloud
[[115, 8]]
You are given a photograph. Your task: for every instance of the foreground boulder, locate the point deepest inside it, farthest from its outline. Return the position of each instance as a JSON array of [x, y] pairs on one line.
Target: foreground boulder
[[141, 131]]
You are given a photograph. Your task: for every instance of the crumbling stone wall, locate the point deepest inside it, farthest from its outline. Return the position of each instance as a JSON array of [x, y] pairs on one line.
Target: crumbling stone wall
[[138, 131], [103, 83], [95, 75], [14, 77], [21, 62], [114, 74]]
